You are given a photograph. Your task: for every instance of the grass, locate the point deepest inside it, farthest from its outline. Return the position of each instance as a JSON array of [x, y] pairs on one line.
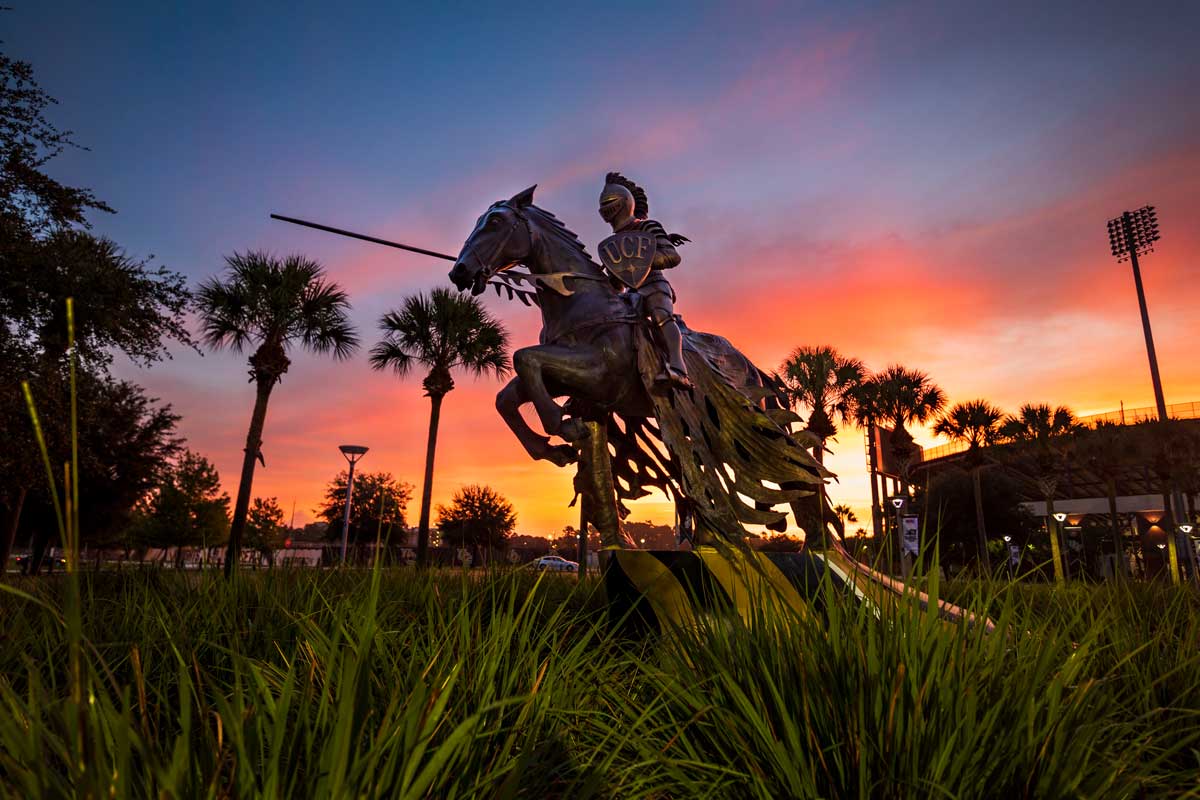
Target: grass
[[296, 683], [399, 684]]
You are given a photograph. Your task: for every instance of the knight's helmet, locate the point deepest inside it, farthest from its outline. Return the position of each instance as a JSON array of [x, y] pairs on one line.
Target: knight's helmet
[[622, 200]]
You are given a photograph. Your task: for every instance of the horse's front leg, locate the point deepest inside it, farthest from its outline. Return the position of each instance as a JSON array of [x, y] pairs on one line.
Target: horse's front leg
[[573, 371], [508, 403]]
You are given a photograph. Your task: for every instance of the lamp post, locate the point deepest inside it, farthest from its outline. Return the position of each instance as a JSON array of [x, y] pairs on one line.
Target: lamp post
[[1056, 547], [352, 452], [1131, 235], [898, 504], [1186, 529]]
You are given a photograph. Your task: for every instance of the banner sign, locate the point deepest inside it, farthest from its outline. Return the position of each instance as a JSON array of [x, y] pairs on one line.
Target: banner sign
[[910, 539]]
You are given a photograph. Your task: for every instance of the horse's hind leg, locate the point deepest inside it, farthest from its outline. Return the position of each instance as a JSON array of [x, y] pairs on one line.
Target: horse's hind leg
[[578, 372], [508, 403]]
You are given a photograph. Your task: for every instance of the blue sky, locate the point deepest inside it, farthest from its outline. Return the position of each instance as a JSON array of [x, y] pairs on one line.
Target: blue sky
[[923, 183]]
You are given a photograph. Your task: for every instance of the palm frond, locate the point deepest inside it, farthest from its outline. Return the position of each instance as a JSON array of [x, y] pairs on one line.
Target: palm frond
[[442, 331], [263, 297]]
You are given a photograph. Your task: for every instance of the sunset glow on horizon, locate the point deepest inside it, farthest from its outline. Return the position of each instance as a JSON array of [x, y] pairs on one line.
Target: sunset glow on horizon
[[925, 185]]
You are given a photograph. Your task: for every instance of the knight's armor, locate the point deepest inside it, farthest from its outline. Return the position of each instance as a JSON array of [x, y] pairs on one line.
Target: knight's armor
[[623, 204]]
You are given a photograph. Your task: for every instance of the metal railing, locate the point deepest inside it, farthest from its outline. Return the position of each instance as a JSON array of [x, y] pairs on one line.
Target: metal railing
[[1123, 416]]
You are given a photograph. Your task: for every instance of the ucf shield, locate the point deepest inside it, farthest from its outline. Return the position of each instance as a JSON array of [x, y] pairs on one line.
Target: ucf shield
[[628, 255]]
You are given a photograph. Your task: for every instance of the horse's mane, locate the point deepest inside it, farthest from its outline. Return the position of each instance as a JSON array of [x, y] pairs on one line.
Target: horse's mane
[[554, 226]]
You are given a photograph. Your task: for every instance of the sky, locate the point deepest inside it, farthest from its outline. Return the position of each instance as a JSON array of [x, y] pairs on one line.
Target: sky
[[917, 183]]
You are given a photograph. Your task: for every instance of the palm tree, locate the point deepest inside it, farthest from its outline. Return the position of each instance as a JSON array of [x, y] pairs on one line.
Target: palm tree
[[267, 304], [845, 514], [441, 332], [1049, 433], [906, 397], [867, 413], [1108, 450], [901, 396], [977, 423], [821, 380]]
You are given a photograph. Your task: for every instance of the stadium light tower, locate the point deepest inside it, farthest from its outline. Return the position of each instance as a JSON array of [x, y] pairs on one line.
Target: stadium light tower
[[352, 452], [1130, 235]]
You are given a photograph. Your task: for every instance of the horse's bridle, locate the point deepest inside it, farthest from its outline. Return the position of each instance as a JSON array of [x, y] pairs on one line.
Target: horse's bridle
[[484, 269], [488, 273]]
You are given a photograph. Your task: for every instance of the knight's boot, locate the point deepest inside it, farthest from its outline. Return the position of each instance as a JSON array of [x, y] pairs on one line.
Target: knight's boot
[[674, 375]]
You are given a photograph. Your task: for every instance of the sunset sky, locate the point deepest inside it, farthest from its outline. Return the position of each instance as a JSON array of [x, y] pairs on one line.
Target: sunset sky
[[915, 183]]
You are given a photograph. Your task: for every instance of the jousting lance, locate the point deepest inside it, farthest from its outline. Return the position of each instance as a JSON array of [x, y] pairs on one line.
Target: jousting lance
[[363, 237]]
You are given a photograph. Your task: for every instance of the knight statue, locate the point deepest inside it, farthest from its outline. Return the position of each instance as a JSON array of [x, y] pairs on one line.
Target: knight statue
[[636, 255]]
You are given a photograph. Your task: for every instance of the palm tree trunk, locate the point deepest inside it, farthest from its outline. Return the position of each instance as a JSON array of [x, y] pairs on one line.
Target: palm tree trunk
[[876, 517], [1111, 485], [11, 521], [435, 413], [819, 455], [977, 482], [253, 443]]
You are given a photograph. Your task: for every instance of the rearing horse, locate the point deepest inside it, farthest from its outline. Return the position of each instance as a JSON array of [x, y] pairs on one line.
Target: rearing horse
[[730, 454], [586, 348]]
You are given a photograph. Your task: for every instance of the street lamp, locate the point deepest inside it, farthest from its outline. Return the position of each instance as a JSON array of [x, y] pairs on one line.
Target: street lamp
[[1186, 529], [352, 452], [1056, 546]]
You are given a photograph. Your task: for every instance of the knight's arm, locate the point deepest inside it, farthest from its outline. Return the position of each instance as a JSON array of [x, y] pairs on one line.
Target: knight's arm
[[665, 254]]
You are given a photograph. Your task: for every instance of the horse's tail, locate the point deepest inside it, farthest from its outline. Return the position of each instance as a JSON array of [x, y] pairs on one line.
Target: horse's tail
[[735, 458]]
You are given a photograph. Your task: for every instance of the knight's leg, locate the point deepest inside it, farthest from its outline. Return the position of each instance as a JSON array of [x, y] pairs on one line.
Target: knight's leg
[[508, 402], [662, 312], [575, 371]]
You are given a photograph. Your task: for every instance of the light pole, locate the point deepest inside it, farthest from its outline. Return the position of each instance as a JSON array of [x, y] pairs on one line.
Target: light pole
[[352, 452], [1056, 547], [1130, 235], [1186, 529], [898, 504]]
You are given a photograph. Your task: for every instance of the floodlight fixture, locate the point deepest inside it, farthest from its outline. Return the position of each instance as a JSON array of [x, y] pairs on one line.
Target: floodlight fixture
[[1059, 516], [1187, 528], [1133, 233], [353, 451], [1162, 545]]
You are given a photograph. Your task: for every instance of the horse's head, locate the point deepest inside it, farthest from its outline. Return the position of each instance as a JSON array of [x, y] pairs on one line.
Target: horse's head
[[501, 239]]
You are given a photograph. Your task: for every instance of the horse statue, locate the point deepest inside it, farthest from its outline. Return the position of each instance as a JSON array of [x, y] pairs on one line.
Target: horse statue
[[723, 450]]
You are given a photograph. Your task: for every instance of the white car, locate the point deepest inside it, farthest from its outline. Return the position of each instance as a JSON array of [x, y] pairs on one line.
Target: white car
[[556, 564]]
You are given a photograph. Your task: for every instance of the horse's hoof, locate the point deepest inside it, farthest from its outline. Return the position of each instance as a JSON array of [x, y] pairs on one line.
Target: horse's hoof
[[561, 455]]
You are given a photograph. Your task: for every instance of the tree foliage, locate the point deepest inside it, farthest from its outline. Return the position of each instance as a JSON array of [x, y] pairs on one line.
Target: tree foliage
[[442, 332], [947, 508], [187, 509], [30, 200], [379, 500], [822, 381], [477, 517], [265, 531], [122, 304]]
